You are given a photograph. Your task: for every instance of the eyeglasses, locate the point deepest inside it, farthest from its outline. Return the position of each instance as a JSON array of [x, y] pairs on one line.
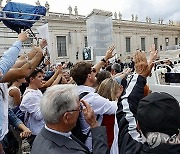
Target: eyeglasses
[[80, 109], [93, 70]]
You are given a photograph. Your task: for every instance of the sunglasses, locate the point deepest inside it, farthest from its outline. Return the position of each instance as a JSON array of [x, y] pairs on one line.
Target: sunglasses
[[93, 70]]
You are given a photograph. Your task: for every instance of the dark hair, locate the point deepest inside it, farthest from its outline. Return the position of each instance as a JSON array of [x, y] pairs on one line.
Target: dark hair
[[80, 71], [159, 112], [108, 68], [102, 75], [117, 67], [34, 74]]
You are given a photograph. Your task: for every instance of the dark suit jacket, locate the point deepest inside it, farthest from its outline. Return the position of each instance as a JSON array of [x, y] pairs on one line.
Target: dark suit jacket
[[48, 142]]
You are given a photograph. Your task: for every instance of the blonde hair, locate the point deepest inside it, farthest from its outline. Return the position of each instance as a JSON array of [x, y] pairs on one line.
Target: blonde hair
[[108, 89]]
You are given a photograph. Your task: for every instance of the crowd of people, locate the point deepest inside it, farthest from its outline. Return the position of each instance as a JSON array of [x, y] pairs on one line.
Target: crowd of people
[[110, 105]]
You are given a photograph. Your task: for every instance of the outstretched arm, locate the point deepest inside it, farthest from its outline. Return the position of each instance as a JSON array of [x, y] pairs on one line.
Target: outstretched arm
[[99, 135], [125, 125], [16, 122], [10, 56], [25, 132], [53, 78], [26, 69], [30, 55], [109, 54]]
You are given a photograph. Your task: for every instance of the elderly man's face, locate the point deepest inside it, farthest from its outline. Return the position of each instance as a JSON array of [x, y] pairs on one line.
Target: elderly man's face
[[72, 116]]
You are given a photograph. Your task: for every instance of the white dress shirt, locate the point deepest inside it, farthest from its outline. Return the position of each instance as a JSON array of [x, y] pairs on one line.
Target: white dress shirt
[[31, 105], [57, 132], [100, 106]]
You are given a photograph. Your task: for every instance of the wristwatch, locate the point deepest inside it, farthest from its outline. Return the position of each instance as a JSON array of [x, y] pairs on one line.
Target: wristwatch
[[103, 60]]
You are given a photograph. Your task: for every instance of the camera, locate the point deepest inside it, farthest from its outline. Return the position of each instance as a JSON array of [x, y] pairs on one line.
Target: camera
[[172, 77]]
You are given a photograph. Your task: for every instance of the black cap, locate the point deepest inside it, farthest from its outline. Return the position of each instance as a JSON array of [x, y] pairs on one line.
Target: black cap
[[159, 112]]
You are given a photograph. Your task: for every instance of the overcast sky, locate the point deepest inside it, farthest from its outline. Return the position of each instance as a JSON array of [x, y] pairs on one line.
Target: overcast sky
[[165, 9]]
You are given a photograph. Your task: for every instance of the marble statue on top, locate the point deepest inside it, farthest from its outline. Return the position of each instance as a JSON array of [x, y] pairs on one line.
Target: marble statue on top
[[70, 9], [76, 10], [38, 3], [120, 16], [136, 18], [132, 17], [115, 15]]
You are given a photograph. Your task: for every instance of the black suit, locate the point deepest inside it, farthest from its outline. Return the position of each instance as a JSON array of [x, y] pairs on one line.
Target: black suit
[[48, 142]]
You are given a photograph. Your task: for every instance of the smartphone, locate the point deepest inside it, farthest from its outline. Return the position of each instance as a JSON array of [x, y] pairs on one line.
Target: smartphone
[[172, 77]]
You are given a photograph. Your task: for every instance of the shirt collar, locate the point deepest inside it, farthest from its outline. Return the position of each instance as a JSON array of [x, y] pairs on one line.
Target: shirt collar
[[83, 88], [57, 132]]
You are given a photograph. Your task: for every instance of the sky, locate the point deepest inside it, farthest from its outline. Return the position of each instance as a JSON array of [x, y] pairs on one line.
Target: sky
[[155, 9]]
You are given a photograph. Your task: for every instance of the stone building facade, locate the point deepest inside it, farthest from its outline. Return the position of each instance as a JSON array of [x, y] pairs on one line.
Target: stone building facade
[[68, 35]]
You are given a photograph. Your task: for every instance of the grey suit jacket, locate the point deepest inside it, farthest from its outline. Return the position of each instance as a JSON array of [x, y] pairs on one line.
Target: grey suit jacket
[[48, 142]]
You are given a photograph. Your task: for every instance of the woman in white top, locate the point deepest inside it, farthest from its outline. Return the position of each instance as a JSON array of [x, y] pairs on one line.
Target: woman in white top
[[14, 98]]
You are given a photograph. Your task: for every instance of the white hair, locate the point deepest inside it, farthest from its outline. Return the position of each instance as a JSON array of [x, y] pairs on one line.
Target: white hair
[[57, 100]]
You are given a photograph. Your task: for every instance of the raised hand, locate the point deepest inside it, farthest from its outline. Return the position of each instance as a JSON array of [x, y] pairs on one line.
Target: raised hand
[[43, 43], [59, 69], [47, 62], [89, 115], [152, 53], [141, 64], [127, 71], [23, 36], [109, 53]]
